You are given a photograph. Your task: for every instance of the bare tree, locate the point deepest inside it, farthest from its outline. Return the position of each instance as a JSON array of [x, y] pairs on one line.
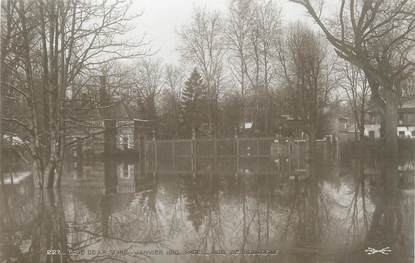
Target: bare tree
[[377, 37], [237, 29], [357, 91], [203, 45], [174, 79], [267, 33], [307, 75], [6, 66], [148, 82], [253, 34], [55, 42]]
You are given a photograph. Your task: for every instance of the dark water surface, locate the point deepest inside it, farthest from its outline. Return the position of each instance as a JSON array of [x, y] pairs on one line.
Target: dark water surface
[[330, 213]]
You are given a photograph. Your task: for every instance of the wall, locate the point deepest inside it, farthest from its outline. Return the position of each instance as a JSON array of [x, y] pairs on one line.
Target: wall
[[407, 131], [372, 127]]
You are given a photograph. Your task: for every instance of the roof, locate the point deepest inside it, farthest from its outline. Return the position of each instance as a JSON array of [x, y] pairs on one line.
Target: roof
[[117, 111], [409, 104], [288, 117], [14, 140]]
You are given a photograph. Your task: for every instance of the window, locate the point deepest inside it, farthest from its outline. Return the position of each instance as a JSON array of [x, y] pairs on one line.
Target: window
[[401, 118], [372, 134], [125, 171], [401, 133], [413, 133]]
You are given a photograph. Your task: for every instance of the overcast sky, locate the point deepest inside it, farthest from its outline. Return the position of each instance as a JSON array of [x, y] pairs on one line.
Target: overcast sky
[[163, 18]]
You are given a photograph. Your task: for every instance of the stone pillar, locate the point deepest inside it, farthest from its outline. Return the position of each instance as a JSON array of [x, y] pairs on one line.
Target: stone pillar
[[110, 173], [110, 133], [139, 147], [137, 131]]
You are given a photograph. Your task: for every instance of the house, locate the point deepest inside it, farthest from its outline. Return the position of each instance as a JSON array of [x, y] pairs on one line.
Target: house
[[406, 121], [87, 113], [372, 125], [343, 130], [290, 126], [88, 121]]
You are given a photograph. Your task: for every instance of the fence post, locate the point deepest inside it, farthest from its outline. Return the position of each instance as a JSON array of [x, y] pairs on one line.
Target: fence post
[[325, 149], [277, 155], [215, 153], [155, 151], [13, 161], [237, 149], [173, 147], [290, 149], [337, 147], [193, 151], [257, 155], [142, 152], [136, 136], [79, 158], [330, 148], [139, 142]]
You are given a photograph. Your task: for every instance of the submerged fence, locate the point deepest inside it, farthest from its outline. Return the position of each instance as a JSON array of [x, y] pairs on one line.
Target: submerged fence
[[231, 155]]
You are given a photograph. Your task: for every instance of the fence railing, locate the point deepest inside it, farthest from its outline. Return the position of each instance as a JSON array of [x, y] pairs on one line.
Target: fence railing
[[257, 155]]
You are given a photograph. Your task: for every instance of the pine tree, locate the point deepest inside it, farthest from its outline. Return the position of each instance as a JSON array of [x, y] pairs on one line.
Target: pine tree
[[193, 103]]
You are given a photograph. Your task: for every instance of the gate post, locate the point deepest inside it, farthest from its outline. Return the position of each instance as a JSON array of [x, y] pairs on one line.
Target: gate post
[[110, 133], [110, 173], [139, 141]]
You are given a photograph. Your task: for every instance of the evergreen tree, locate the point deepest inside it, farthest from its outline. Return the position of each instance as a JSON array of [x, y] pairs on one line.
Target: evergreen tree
[[193, 104]]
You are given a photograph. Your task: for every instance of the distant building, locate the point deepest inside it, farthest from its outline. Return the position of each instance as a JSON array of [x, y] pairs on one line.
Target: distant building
[[406, 121], [343, 130], [90, 121], [372, 124], [289, 125], [86, 117]]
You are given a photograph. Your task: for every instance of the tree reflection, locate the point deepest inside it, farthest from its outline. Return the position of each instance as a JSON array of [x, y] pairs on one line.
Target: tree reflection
[[358, 210], [203, 204], [308, 216], [31, 236], [390, 226], [244, 212]]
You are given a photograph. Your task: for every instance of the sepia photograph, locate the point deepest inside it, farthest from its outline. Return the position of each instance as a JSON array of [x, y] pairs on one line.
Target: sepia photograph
[[207, 131]]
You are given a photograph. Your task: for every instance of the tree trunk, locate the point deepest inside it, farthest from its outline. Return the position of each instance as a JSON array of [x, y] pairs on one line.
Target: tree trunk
[[37, 171], [390, 144], [59, 169], [312, 135], [390, 122], [50, 173]]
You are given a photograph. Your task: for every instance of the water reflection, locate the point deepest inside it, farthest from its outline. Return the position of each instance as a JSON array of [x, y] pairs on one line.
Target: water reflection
[[111, 211]]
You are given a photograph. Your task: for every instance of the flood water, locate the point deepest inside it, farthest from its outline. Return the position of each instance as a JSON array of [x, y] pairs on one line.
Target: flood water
[[327, 212]]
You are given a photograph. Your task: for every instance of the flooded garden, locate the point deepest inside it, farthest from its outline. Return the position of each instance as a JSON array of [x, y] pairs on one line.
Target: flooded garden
[[258, 206]]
